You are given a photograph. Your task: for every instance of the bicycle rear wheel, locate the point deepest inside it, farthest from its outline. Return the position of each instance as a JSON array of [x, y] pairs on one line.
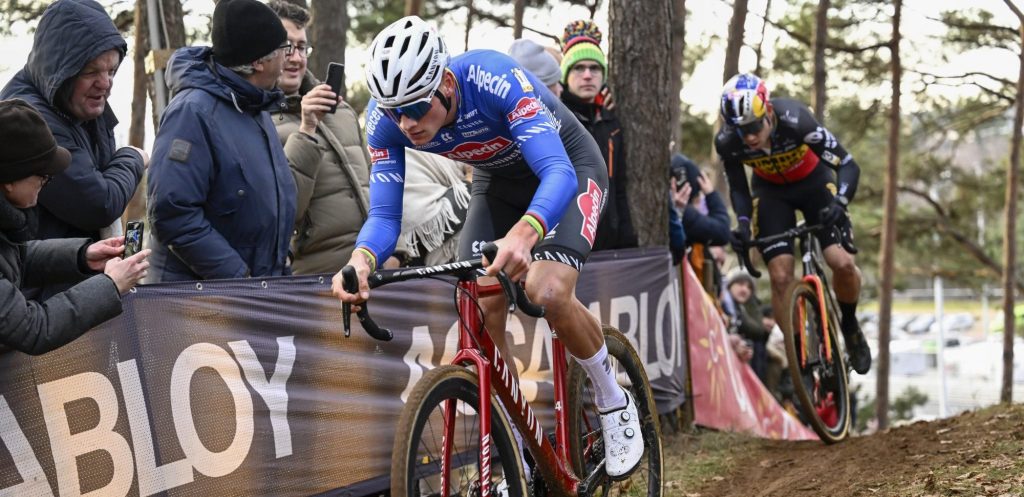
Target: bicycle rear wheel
[[818, 369], [584, 424], [425, 426]]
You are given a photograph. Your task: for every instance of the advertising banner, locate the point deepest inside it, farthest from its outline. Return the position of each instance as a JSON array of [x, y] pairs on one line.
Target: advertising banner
[[248, 387], [727, 395]]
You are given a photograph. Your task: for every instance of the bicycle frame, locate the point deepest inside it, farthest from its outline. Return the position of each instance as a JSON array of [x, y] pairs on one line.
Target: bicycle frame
[[476, 348], [814, 274]]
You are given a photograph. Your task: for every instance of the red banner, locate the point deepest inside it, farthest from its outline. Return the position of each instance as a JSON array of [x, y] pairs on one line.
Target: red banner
[[727, 394]]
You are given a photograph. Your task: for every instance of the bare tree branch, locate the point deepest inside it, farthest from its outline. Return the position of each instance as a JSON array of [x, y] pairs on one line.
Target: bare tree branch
[[503, 22]]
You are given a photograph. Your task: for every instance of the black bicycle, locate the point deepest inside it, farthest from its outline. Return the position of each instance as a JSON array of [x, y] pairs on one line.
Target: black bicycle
[[810, 320]]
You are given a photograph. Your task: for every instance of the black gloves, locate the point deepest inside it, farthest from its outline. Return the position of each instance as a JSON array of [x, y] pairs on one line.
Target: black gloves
[[741, 235], [835, 212]]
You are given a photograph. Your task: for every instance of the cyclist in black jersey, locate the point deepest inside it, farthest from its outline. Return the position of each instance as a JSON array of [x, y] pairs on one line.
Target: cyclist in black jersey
[[797, 165]]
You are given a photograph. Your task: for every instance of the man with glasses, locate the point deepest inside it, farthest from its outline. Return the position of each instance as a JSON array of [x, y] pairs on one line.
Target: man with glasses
[[539, 184], [221, 194], [797, 165], [584, 68]]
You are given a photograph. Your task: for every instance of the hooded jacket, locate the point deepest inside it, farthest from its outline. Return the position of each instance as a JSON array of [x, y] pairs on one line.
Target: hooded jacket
[[221, 195], [35, 327], [101, 180]]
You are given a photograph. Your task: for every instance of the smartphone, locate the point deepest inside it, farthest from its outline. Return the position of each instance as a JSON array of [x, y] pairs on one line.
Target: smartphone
[[133, 238], [336, 80]]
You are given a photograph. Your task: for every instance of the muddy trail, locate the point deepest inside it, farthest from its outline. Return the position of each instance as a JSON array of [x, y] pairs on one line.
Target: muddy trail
[[979, 453]]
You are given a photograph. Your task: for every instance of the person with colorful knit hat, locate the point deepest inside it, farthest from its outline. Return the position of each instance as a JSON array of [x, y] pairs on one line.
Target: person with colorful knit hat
[[583, 75]]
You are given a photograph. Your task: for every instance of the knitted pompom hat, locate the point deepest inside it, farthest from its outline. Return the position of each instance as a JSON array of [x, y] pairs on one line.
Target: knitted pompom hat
[[581, 40]]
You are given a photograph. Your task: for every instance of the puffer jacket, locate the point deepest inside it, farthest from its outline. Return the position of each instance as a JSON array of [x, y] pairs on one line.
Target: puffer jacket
[[332, 178], [34, 327], [221, 194], [96, 188]]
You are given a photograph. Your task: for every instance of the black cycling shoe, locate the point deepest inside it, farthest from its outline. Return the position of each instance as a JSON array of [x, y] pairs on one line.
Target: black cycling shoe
[[857, 347]]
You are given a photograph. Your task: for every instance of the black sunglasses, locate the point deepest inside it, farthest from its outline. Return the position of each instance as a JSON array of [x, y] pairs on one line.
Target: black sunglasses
[[46, 178], [751, 128]]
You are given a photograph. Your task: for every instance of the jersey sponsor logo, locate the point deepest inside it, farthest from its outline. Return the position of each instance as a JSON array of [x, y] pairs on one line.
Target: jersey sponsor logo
[[589, 203], [821, 135], [477, 151], [475, 132], [526, 108], [446, 136], [471, 125], [484, 80], [794, 120], [780, 163], [372, 120], [830, 158], [524, 82], [377, 154], [385, 177]]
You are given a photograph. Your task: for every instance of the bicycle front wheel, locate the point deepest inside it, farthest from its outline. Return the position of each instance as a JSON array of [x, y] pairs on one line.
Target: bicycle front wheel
[[441, 420], [584, 422], [816, 364]]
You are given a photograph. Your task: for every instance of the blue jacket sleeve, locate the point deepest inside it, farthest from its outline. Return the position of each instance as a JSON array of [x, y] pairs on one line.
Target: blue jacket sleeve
[[713, 228], [676, 233], [90, 196], [179, 195]]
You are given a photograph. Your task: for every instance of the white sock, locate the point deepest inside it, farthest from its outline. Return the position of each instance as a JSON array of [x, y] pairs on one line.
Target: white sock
[[608, 395]]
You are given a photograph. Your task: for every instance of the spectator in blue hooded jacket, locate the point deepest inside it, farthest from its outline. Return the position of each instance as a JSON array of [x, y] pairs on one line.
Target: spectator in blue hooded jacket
[[68, 78], [221, 194]]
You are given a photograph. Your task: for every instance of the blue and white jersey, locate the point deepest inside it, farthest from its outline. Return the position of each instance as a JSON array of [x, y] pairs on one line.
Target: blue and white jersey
[[509, 124]]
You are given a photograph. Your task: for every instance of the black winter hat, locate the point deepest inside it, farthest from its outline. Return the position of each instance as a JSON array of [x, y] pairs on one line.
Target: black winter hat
[[29, 145], [245, 30]]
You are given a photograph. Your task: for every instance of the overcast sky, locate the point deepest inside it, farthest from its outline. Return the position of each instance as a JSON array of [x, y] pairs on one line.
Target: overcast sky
[[707, 18]]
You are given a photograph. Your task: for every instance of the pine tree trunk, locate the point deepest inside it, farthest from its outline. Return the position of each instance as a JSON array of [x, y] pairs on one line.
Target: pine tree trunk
[[517, 19], [820, 39], [1009, 233], [736, 34], [414, 7], [640, 40], [886, 257], [140, 81], [327, 34], [678, 48], [469, 22]]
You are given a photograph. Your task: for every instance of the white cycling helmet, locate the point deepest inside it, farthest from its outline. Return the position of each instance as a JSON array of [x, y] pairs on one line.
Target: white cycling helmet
[[407, 62], [744, 99]]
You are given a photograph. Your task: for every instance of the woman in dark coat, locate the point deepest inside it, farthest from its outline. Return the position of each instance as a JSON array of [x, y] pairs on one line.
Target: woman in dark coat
[[38, 327]]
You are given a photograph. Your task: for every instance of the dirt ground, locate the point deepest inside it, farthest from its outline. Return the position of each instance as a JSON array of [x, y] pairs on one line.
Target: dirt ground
[[979, 453]]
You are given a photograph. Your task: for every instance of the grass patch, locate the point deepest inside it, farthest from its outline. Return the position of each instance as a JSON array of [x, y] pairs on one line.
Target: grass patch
[[697, 458]]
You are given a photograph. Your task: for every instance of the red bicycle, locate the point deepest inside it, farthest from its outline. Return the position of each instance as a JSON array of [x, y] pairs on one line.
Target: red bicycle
[[454, 437]]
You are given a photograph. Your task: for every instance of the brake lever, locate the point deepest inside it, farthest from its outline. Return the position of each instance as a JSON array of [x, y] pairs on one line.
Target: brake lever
[[350, 282]]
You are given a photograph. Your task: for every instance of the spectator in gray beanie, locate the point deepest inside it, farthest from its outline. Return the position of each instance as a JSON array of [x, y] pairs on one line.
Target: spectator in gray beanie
[[539, 62]]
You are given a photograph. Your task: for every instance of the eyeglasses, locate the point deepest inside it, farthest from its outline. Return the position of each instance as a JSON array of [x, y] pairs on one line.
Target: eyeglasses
[[289, 49], [415, 110], [582, 68], [45, 178], [751, 128]]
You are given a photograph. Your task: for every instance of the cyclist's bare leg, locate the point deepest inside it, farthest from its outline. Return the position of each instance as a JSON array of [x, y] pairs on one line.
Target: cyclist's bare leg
[[553, 285], [845, 273], [495, 316], [780, 269]]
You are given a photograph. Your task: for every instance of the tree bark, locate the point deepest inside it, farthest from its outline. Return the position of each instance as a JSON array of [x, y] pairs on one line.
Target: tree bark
[[678, 48], [327, 35], [736, 33], [140, 81], [413, 7], [640, 40], [1009, 233], [886, 255], [517, 19], [760, 43], [469, 22], [820, 39]]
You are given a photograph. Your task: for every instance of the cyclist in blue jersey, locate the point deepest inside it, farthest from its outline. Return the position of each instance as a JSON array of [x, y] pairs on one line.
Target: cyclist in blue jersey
[[539, 186]]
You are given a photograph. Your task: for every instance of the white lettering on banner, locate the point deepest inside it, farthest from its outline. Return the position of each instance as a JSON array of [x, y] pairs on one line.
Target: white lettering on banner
[[497, 85], [627, 305], [34, 482], [66, 447], [273, 392], [152, 478], [666, 353], [192, 359]]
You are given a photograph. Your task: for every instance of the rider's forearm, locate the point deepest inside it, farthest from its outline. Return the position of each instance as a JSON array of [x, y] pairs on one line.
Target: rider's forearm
[[847, 176]]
